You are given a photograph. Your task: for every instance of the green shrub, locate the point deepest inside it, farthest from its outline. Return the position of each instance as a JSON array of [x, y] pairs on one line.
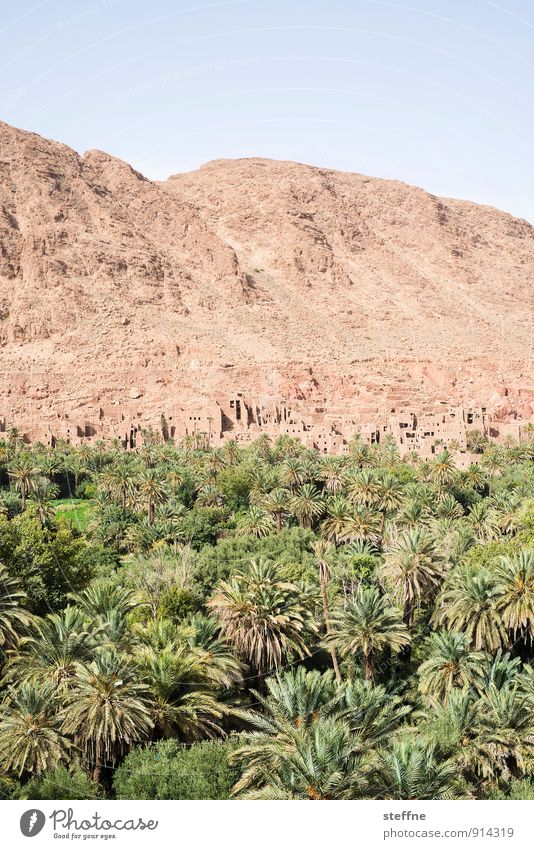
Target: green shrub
[[170, 770], [61, 783]]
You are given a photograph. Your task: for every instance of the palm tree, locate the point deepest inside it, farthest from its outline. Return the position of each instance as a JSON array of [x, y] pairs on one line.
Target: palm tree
[[504, 736], [412, 568], [360, 453], [363, 488], [474, 476], [482, 521], [493, 463], [363, 523], [210, 495], [183, 701], [313, 764], [296, 697], [307, 504], [231, 452], [503, 512], [62, 641], [389, 497], [119, 480], [277, 504], [42, 495], [331, 471], [293, 473], [413, 513], [215, 654], [103, 595], [31, 737], [515, 588], [412, 769], [151, 490], [442, 470], [468, 603], [23, 472], [256, 522], [338, 511], [15, 620], [263, 615], [107, 710], [300, 717], [451, 663], [370, 624], [322, 550], [446, 507]]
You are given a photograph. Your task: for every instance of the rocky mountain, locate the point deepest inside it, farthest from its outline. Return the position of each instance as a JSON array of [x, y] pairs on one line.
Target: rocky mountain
[[333, 289]]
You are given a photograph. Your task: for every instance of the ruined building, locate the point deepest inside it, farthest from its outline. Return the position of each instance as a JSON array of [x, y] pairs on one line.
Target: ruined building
[[244, 419]]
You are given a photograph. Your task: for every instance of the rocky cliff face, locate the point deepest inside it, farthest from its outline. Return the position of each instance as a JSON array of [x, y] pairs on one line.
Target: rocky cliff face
[[271, 277]]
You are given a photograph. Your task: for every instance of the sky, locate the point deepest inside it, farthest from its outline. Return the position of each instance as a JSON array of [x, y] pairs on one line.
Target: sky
[[437, 93]]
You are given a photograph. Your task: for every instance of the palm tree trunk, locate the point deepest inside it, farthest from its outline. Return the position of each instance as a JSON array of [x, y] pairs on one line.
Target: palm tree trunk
[[369, 666], [97, 772], [328, 628], [278, 522], [406, 651]]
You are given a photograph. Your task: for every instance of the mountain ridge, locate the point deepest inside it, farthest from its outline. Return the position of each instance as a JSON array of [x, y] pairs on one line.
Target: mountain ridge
[[275, 278]]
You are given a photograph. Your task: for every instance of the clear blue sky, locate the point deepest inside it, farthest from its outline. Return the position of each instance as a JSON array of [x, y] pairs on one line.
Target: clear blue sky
[[439, 93]]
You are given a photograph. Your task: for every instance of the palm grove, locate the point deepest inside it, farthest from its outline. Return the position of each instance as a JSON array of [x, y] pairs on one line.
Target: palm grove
[[265, 622]]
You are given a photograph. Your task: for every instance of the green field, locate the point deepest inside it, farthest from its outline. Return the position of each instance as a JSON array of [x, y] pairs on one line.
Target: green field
[[75, 511]]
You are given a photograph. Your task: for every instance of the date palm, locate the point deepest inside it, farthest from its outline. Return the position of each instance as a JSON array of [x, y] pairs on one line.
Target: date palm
[[15, 620], [107, 710], [338, 511], [183, 702], [442, 470], [31, 738], [51, 656], [389, 497], [215, 655], [119, 480], [152, 491], [307, 504], [331, 472], [276, 503], [363, 487], [360, 453], [255, 522], [413, 769], [368, 624], [210, 495], [505, 736], [467, 603], [42, 495], [296, 697], [363, 523], [265, 616], [317, 763], [300, 717], [447, 507], [293, 473], [515, 588], [493, 464], [413, 568], [450, 663], [474, 477], [323, 551], [482, 521], [23, 473]]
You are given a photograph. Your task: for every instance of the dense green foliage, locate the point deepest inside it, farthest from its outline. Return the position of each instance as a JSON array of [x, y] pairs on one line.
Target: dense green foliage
[[170, 770], [265, 622]]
